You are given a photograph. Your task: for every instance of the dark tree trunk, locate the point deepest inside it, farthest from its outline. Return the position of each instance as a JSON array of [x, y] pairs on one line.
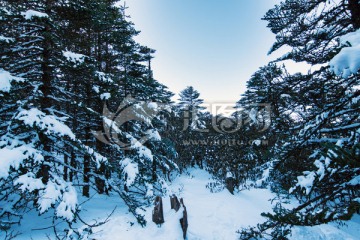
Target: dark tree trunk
[[154, 176], [46, 100], [230, 184], [73, 165], [75, 130], [86, 187], [158, 213], [100, 183], [66, 162], [354, 7], [183, 221], [88, 136], [174, 203], [86, 164]]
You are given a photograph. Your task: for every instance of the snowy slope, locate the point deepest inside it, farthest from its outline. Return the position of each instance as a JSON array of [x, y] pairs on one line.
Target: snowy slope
[[210, 215]]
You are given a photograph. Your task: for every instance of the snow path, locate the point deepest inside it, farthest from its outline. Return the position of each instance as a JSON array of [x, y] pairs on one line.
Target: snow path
[[211, 216], [216, 216]]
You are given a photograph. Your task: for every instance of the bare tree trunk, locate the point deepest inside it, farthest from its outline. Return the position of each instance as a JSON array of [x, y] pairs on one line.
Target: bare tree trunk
[[174, 203], [46, 100], [183, 221], [100, 183], [154, 176], [86, 164], [230, 184], [86, 187], [354, 7], [66, 162], [158, 213], [73, 165]]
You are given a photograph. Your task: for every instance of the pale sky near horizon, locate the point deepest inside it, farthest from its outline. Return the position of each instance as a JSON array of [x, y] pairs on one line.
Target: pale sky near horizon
[[214, 46]]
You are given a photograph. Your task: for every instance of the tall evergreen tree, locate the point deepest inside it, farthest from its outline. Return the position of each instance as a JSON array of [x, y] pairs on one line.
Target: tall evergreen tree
[[324, 136], [35, 124], [189, 127], [62, 62]]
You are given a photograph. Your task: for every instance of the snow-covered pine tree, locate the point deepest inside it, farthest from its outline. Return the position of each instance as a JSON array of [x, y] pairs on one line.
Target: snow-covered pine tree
[[116, 68], [273, 87], [145, 165], [190, 105], [189, 125], [325, 140], [34, 135], [92, 67], [61, 63]]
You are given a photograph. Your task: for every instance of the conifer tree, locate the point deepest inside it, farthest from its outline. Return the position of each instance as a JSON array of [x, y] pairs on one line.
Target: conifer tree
[[189, 127], [35, 125], [62, 64], [319, 156]]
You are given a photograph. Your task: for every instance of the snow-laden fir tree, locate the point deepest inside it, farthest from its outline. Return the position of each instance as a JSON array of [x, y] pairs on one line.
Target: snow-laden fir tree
[[33, 127], [325, 134], [62, 64], [189, 127]]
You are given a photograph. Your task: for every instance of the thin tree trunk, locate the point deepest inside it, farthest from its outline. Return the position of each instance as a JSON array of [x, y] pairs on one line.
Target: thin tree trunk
[[73, 165], [354, 7], [66, 162], [86, 187], [45, 101], [100, 183]]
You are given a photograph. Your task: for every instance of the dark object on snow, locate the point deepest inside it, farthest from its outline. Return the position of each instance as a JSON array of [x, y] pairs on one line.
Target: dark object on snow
[[230, 184], [174, 203], [158, 213], [183, 220]]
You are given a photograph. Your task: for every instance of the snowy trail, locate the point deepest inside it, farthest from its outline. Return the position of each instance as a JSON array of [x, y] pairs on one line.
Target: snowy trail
[[220, 215], [211, 216], [216, 216]]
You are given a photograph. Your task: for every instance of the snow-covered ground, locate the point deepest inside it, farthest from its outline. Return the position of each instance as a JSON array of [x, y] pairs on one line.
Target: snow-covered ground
[[210, 215]]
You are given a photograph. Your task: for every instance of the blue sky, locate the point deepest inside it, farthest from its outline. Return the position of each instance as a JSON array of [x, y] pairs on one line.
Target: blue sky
[[212, 45]]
